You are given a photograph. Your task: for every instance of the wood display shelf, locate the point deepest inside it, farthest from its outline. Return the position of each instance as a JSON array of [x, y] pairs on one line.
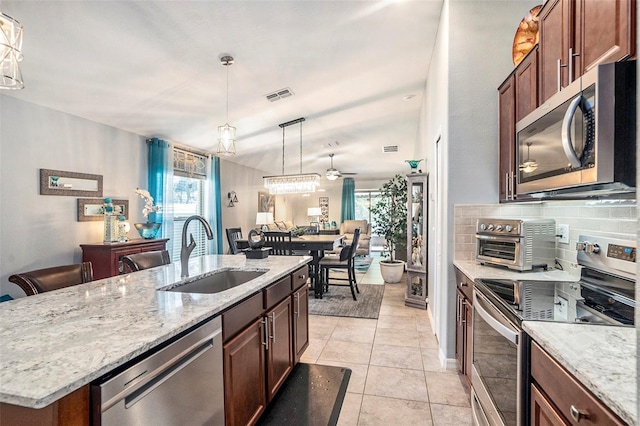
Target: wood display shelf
[[106, 258]]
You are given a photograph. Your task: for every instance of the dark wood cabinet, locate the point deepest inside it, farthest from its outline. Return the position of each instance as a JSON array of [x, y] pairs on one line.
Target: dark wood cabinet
[[507, 116], [280, 347], [557, 398], [106, 258], [464, 311], [300, 300], [526, 81], [577, 35]]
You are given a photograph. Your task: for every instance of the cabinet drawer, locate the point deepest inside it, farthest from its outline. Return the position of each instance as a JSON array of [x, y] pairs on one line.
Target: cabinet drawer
[[565, 392], [464, 284], [299, 278], [276, 292], [239, 316]]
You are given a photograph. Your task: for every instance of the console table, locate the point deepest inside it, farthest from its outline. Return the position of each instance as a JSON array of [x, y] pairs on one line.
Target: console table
[[106, 258], [329, 231]]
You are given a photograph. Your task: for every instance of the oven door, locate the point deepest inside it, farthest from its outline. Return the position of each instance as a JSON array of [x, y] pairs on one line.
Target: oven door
[[495, 375], [502, 250]]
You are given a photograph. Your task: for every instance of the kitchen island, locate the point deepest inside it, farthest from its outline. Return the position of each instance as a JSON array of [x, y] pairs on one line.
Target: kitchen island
[[54, 343]]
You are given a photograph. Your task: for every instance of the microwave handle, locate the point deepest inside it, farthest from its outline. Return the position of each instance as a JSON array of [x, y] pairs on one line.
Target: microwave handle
[[567, 143]]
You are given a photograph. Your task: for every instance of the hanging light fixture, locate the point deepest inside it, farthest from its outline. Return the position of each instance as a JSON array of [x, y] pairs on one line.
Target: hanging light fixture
[[227, 133], [292, 184], [529, 165], [10, 53]]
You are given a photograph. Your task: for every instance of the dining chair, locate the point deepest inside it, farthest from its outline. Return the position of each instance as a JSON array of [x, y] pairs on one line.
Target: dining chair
[[279, 241], [345, 260], [233, 234], [48, 279], [148, 259]]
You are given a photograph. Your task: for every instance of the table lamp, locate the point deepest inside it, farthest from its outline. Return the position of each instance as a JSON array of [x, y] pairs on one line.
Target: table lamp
[[264, 218], [314, 213]]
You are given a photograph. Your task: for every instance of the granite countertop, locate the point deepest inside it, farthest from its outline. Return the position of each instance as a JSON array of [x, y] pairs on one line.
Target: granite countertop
[[474, 270], [53, 343], [602, 358]]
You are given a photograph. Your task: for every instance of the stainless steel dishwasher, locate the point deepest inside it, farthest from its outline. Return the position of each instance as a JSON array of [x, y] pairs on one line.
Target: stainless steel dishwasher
[[181, 384]]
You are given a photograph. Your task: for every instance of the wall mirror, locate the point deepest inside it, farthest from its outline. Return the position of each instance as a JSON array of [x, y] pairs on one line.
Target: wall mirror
[[58, 182], [90, 209]]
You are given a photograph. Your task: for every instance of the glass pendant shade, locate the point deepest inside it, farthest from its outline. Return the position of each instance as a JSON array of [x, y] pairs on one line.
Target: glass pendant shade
[[226, 140], [292, 184], [10, 53]]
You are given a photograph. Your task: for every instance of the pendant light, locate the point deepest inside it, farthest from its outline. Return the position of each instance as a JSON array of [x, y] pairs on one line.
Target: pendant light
[[227, 133], [292, 184], [529, 165], [10, 53]]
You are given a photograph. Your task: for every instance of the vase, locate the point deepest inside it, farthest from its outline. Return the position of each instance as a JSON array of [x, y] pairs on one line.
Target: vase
[[391, 271], [413, 164], [147, 230]]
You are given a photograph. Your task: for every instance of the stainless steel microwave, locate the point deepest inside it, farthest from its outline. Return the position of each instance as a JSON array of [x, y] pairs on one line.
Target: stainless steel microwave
[[582, 141]]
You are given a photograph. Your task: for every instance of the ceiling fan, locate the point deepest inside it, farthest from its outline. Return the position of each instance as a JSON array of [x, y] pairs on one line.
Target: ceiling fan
[[333, 173]]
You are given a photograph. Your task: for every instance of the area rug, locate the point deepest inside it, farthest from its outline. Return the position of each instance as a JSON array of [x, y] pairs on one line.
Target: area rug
[[362, 264], [312, 395], [338, 302]]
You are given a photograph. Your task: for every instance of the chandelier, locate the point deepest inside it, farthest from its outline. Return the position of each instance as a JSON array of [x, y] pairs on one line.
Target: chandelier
[[292, 184], [227, 133], [10, 53]]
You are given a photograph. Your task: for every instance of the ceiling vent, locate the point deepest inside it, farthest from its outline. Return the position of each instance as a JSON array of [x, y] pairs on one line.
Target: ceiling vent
[[390, 148], [279, 94]]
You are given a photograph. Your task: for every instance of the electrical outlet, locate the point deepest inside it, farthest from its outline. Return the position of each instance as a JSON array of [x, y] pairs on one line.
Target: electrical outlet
[[561, 308], [563, 231]]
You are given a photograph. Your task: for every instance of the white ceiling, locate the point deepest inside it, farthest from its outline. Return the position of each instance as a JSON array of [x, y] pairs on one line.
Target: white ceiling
[[153, 68]]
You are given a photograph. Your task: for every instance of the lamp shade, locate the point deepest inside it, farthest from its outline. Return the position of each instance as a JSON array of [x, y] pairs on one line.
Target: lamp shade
[[264, 218], [314, 211]]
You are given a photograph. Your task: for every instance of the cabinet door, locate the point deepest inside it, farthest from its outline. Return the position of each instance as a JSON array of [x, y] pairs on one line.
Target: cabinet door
[[300, 322], [244, 375], [468, 341], [280, 348], [527, 85], [605, 32], [507, 99], [460, 332], [555, 32], [542, 411]]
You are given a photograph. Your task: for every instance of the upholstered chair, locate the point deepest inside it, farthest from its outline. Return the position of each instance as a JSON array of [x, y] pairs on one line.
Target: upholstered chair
[[149, 259], [347, 229], [48, 279]]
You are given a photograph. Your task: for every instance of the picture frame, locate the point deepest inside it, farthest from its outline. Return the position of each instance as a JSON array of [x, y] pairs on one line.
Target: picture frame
[[267, 203], [59, 182], [91, 209], [323, 202]]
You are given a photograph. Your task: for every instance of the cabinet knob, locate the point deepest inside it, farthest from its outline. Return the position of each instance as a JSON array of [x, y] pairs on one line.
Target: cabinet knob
[[577, 414], [463, 284]]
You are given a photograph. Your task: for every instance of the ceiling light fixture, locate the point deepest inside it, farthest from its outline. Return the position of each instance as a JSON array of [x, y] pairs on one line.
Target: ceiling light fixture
[[332, 173], [529, 165], [10, 53], [227, 133], [292, 184]]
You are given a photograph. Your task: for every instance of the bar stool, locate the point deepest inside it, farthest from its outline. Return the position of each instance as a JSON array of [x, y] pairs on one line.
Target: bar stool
[[48, 279]]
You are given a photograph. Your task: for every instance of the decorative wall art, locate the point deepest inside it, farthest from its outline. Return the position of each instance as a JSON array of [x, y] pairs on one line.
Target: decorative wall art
[[323, 202], [267, 203], [58, 182], [92, 209]]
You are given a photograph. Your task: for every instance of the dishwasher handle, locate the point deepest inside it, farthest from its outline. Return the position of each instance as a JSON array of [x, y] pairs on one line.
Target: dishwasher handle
[[146, 387]]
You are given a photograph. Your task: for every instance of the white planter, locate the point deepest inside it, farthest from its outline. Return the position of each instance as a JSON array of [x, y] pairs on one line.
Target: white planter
[[391, 272]]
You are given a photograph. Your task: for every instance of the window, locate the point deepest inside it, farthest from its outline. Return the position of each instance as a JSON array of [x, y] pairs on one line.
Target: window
[[364, 201], [189, 183]]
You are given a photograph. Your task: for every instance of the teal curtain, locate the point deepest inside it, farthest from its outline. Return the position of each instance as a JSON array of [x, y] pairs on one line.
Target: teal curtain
[[348, 211], [160, 181], [214, 205]]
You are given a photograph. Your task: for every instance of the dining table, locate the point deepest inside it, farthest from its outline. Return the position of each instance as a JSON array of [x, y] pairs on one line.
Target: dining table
[[316, 245]]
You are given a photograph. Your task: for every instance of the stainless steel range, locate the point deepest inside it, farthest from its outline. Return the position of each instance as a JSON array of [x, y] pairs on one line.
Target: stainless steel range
[[520, 244], [605, 294]]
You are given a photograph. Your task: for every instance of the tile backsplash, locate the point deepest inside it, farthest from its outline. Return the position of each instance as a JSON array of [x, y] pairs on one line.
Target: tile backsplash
[[615, 219]]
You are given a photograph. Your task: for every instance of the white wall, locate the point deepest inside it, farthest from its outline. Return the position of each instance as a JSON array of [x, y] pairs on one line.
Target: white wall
[[38, 231]]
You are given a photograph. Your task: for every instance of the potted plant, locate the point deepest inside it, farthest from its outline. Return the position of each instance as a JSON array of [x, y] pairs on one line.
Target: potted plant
[[147, 230], [390, 218]]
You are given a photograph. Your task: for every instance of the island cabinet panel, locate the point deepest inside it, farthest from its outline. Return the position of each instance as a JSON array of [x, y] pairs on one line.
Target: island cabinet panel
[[279, 349], [300, 300], [566, 397], [106, 258], [244, 375], [238, 317], [71, 410]]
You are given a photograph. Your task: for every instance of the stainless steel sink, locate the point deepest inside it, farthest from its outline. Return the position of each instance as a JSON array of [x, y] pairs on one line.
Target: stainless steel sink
[[217, 282]]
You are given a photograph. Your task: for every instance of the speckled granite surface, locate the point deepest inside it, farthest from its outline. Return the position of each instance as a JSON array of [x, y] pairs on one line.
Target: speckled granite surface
[[602, 358], [53, 343], [474, 270]]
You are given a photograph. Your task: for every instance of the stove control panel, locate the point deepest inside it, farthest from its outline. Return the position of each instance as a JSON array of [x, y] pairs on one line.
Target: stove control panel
[[610, 255], [622, 252]]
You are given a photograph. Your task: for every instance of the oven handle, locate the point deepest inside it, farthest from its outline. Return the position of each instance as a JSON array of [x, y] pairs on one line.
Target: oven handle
[[499, 323], [510, 238]]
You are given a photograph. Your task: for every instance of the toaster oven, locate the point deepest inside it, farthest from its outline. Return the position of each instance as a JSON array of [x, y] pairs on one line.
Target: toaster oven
[[519, 244]]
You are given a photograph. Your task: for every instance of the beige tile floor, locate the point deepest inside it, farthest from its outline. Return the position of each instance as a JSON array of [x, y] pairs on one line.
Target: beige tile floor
[[396, 377]]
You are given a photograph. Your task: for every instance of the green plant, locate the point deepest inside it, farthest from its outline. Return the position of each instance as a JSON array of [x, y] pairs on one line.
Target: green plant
[[390, 213]]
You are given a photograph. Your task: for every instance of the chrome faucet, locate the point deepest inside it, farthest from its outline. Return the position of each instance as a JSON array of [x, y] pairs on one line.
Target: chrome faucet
[[186, 250]]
